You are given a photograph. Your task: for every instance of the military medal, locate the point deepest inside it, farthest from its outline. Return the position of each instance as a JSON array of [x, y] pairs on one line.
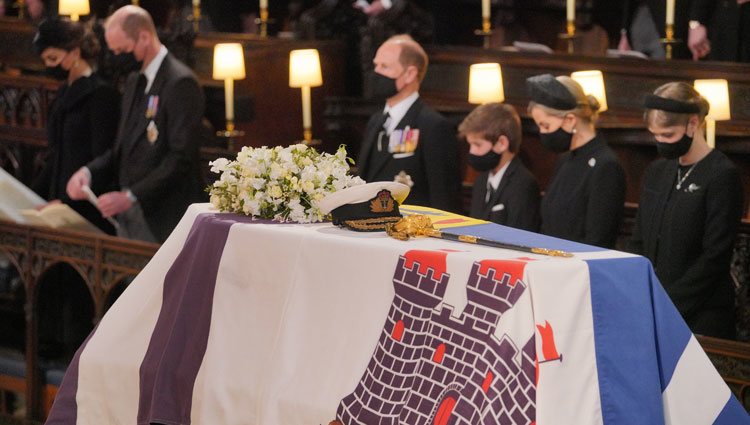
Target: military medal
[[153, 106], [152, 133], [403, 141]]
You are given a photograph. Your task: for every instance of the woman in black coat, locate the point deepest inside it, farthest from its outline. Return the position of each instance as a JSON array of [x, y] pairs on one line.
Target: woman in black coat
[[585, 199], [689, 212], [83, 119]]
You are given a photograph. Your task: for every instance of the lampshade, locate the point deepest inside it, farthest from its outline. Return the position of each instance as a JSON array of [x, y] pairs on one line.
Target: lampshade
[[73, 8], [304, 68], [229, 61], [485, 83], [717, 94], [593, 84]]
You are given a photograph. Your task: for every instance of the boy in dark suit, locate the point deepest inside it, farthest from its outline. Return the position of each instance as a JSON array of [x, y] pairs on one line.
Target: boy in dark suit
[[409, 142], [154, 161], [505, 192]]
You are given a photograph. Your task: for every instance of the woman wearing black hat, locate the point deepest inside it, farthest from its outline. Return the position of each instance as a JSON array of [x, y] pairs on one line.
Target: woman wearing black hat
[[83, 119], [585, 198], [689, 211]]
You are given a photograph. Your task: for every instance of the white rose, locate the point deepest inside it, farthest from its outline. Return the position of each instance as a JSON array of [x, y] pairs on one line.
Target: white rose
[[275, 191]]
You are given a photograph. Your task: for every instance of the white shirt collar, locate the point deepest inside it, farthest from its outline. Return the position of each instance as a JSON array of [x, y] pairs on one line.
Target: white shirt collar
[[153, 67], [397, 112], [493, 180]]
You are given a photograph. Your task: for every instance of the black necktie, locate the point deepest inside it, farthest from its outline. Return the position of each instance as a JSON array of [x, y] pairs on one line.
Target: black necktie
[[383, 131], [139, 93]]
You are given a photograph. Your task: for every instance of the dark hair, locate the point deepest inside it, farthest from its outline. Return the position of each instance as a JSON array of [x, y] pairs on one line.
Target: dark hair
[[493, 120], [62, 33]]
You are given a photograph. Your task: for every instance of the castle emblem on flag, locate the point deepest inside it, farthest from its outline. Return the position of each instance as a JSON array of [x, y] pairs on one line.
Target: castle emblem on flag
[[430, 367]]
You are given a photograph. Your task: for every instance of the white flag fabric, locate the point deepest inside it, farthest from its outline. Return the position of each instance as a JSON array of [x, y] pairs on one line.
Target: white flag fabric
[[240, 321]]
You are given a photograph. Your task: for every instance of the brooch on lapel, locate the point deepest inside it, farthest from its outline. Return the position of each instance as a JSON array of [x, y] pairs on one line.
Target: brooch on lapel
[[152, 133], [692, 188], [153, 106], [403, 141]]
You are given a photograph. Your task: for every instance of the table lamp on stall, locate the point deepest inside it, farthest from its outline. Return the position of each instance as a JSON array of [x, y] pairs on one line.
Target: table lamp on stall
[[304, 73], [716, 93], [229, 65], [485, 83], [73, 8], [592, 83]]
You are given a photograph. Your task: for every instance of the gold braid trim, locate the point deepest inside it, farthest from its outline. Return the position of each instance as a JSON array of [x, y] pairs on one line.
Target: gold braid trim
[[371, 223]]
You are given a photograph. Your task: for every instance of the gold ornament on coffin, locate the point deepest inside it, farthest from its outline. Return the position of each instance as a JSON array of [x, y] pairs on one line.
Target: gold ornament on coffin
[[420, 225]]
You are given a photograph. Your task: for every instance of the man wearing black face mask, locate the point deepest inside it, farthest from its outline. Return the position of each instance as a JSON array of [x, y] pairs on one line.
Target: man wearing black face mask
[[505, 192], [154, 164], [409, 142]]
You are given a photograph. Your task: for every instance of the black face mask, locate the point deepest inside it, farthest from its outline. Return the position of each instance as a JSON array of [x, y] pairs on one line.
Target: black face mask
[[676, 149], [557, 141], [382, 87], [485, 162], [125, 62], [57, 72]]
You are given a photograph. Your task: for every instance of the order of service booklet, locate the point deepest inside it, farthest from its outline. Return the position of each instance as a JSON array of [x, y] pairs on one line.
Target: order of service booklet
[[21, 205]]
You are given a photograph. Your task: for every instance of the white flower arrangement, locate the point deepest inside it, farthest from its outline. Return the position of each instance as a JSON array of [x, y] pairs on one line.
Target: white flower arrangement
[[280, 183]]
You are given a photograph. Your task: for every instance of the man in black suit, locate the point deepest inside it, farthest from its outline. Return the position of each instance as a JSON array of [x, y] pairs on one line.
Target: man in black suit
[[729, 31], [409, 142], [505, 192], [154, 161]]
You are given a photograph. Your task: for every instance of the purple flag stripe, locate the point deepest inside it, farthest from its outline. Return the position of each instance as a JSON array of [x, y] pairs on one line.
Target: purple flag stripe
[[65, 409], [178, 342]]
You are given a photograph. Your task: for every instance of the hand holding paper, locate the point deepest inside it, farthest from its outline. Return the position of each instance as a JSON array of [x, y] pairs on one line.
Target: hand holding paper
[[113, 203], [76, 183], [91, 196]]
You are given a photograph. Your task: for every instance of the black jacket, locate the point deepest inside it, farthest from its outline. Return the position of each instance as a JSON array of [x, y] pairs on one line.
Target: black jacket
[[585, 199], [688, 234], [433, 166], [82, 124], [164, 175], [514, 203], [729, 31]]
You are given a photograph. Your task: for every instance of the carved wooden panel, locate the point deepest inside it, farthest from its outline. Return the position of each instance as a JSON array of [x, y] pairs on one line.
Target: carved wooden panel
[[740, 270], [732, 360], [102, 261]]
